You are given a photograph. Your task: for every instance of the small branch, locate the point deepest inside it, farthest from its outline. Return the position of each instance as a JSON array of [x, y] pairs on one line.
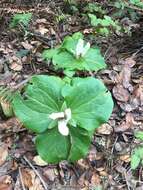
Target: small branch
[[21, 84], [21, 179], [37, 173]]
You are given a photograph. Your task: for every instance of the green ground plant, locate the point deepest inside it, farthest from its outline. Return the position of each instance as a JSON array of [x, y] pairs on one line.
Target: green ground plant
[[63, 115], [74, 54], [22, 19], [105, 25], [137, 154]]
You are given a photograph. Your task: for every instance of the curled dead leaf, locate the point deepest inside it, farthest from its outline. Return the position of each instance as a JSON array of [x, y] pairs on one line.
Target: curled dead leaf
[[3, 154], [128, 123], [126, 158], [30, 180], [120, 93], [38, 161], [6, 183], [105, 129]]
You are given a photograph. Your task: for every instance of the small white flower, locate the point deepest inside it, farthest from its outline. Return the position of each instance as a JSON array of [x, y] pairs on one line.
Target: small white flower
[[62, 127], [57, 115], [81, 50], [63, 118], [68, 114]]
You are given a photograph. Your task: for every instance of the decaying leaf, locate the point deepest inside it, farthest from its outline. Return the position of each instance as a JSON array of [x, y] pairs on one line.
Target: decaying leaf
[[120, 93], [30, 180], [125, 125], [105, 129], [3, 153], [38, 161], [6, 183]]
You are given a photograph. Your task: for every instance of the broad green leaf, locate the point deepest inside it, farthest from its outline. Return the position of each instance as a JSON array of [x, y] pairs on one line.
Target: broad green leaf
[[92, 61], [93, 19], [90, 102], [21, 18], [135, 160], [87, 99], [52, 146], [48, 54], [72, 147], [139, 135], [80, 141], [70, 42], [42, 97], [139, 151]]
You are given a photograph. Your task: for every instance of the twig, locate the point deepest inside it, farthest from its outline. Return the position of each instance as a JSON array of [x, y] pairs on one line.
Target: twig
[[21, 84], [127, 183], [37, 173], [21, 179]]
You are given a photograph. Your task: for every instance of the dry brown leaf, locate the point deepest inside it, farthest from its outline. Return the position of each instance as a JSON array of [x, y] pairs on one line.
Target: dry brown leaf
[[30, 180], [126, 158], [5, 183], [26, 45], [15, 66], [42, 29], [105, 129], [120, 93], [95, 179], [128, 123], [130, 62], [12, 123], [125, 76], [26, 177], [50, 174], [3, 154], [39, 162]]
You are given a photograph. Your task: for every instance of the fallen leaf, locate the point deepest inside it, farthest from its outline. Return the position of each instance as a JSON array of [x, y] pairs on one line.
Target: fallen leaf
[[130, 62], [125, 76], [95, 179], [50, 174], [105, 129], [126, 158], [125, 125], [15, 66], [6, 183], [120, 93], [42, 29], [26, 45], [38, 161], [26, 177], [3, 154], [30, 180]]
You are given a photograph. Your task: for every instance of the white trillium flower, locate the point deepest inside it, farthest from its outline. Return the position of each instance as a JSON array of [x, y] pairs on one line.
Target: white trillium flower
[[58, 115], [81, 50], [63, 118], [62, 127]]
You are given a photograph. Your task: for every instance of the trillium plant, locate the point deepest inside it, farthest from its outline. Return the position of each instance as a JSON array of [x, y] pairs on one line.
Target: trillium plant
[[75, 54], [63, 115]]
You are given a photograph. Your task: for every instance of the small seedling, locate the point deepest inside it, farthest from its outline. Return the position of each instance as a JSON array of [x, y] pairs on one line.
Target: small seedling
[[21, 18], [137, 155], [64, 115], [104, 26], [75, 54]]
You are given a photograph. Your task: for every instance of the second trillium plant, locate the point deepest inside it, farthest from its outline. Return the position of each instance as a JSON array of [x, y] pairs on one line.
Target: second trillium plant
[[75, 54]]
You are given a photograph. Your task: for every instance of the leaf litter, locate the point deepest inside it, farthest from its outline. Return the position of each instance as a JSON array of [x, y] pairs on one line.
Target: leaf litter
[[107, 164]]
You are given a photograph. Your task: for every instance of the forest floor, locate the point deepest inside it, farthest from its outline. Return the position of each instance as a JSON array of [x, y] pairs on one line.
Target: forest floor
[[107, 166]]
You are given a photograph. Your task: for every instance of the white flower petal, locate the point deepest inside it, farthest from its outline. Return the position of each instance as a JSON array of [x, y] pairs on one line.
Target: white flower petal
[[62, 127], [79, 47], [68, 114], [58, 115], [85, 49]]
